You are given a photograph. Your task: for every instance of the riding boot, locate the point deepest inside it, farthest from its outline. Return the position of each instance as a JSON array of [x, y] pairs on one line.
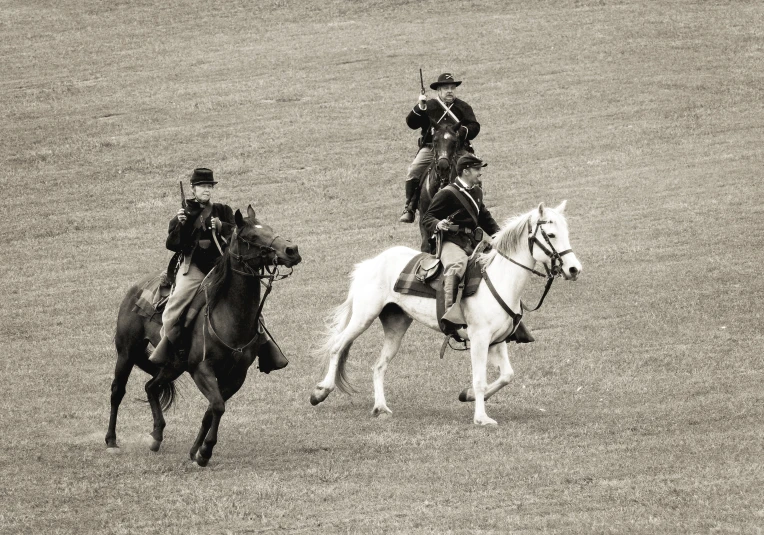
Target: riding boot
[[163, 352], [522, 335], [452, 319], [270, 356], [412, 188]]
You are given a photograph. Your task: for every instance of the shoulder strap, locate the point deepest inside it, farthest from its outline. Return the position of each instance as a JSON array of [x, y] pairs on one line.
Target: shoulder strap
[[467, 204]]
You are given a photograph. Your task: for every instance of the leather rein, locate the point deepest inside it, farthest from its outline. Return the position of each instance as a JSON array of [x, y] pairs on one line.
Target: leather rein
[[552, 272], [262, 271]]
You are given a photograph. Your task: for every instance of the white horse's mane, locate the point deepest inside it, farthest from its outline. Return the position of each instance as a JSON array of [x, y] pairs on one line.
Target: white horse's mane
[[513, 234]]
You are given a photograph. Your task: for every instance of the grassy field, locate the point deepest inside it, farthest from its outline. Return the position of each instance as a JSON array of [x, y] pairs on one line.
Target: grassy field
[[639, 409]]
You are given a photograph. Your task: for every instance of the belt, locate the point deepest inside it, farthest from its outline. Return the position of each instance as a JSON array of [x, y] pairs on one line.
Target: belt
[[476, 234]]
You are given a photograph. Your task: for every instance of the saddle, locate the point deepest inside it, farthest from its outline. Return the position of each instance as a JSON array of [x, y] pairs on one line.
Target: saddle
[[424, 273]]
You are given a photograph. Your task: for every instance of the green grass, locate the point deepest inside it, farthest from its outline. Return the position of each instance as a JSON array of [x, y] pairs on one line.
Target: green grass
[[639, 409]]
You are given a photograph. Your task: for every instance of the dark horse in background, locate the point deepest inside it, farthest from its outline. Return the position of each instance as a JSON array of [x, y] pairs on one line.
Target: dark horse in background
[[446, 146], [224, 336]]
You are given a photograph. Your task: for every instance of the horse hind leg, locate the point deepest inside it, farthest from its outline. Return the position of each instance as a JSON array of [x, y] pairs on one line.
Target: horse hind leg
[[122, 370], [339, 345], [395, 323]]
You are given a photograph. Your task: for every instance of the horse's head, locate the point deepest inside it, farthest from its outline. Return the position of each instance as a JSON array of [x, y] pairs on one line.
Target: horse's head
[[257, 245], [549, 242], [446, 143]]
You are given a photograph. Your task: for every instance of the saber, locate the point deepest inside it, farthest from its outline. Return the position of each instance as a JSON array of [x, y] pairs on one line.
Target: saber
[[448, 110]]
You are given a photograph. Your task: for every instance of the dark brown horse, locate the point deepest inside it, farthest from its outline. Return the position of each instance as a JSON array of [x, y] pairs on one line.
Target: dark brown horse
[[224, 337], [446, 147]]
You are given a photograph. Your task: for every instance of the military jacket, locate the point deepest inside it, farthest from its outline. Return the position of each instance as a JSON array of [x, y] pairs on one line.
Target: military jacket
[[435, 114], [467, 211], [194, 237]]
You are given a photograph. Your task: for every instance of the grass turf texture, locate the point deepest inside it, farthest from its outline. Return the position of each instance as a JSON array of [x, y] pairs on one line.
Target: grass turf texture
[[639, 409]]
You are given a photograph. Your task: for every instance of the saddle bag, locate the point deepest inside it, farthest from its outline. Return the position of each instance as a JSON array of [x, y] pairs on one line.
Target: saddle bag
[[428, 269]]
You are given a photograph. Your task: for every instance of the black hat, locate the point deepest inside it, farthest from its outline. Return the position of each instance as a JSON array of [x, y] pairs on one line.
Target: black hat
[[202, 175], [468, 161], [444, 79]]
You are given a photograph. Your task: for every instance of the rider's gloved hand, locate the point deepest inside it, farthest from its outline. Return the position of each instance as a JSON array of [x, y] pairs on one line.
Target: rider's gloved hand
[[463, 132], [422, 102], [182, 216]]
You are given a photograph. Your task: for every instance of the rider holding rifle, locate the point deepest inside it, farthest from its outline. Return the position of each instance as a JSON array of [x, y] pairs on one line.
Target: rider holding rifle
[[200, 232], [444, 108]]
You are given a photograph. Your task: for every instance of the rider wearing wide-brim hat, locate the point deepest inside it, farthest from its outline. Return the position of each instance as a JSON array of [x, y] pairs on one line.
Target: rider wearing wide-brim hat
[[426, 113], [200, 232]]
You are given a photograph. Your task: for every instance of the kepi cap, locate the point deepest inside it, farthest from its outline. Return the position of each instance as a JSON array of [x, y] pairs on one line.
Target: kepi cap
[[468, 161]]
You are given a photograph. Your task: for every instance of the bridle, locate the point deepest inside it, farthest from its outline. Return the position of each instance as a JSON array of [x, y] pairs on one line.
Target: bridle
[[265, 272], [443, 181], [552, 272]]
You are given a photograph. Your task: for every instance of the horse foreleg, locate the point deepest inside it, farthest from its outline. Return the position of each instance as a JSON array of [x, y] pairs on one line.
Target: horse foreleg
[[479, 357], [395, 323], [226, 390], [204, 377], [499, 354]]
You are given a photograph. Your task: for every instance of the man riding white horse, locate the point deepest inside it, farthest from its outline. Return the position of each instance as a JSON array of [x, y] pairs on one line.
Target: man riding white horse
[[444, 108], [458, 213]]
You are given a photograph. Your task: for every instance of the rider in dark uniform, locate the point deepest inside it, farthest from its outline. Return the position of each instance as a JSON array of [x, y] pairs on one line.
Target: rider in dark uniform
[[423, 116], [458, 212], [200, 232]]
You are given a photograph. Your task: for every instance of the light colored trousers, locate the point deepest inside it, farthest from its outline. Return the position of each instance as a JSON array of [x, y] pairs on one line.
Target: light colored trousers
[[422, 161], [181, 296], [454, 259]]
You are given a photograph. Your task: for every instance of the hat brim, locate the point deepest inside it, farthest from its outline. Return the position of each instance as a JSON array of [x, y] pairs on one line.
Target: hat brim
[[436, 85], [213, 182]]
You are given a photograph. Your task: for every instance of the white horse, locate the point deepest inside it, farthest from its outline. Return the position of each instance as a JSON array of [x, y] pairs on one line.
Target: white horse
[[517, 247]]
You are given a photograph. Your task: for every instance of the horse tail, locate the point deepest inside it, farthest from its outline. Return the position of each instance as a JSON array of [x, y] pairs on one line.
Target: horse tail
[[167, 393], [338, 321]]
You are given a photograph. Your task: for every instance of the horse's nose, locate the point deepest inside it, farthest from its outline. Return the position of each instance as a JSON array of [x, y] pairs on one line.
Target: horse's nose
[[443, 164], [574, 271], [291, 251]]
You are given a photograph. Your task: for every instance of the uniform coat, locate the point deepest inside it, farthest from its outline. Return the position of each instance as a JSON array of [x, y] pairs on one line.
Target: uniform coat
[[471, 213], [194, 237], [436, 114]]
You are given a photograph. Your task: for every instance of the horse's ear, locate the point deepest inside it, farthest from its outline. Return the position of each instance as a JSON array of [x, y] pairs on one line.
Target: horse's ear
[[561, 207], [238, 218], [251, 212], [541, 210]]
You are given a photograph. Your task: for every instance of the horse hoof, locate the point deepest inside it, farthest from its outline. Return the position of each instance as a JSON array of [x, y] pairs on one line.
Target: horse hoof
[[192, 454], [381, 412], [486, 421], [318, 395], [465, 395], [201, 461], [155, 444]]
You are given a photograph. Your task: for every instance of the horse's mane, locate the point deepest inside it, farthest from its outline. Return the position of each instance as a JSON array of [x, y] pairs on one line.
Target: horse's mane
[[513, 232], [218, 279]]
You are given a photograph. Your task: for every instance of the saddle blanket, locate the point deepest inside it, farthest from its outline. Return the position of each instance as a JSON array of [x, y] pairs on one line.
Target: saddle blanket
[[408, 284], [153, 297]]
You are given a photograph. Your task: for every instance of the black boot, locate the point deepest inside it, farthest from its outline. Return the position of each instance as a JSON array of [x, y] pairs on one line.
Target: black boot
[[522, 335], [412, 188], [163, 352], [452, 319], [270, 356]]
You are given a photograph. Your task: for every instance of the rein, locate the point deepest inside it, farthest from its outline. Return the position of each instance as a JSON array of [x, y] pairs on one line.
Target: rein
[[551, 273], [269, 272]]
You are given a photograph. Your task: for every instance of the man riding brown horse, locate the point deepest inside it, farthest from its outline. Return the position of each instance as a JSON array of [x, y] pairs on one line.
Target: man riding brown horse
[[200, 233], [444, 108]]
